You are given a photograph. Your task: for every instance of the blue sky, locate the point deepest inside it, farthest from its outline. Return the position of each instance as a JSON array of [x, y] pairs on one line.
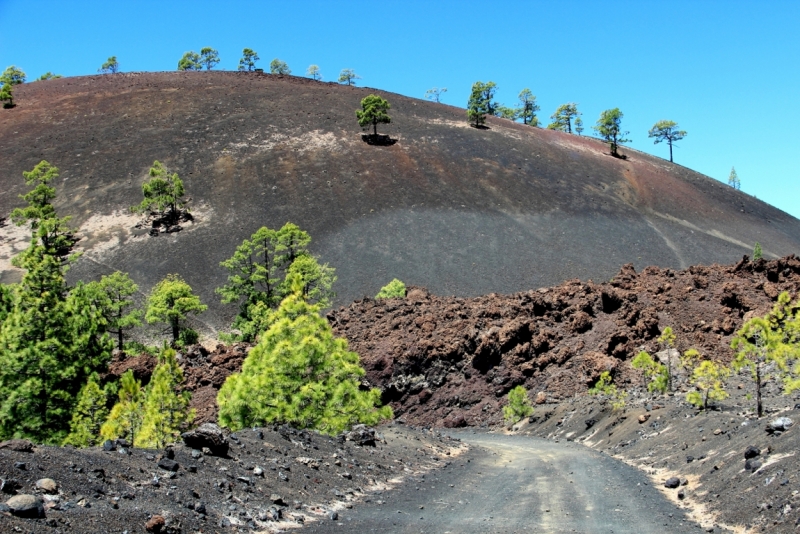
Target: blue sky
[[726, 71]]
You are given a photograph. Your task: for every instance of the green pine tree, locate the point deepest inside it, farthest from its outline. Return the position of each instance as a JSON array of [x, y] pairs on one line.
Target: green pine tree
[[88, 417], [518, 407], [480, 103], [757, 252], [163, 193], [374, 111], [166, 406], [125, 418], [114, 299], [393, 290], [301, 375], [171, 302]]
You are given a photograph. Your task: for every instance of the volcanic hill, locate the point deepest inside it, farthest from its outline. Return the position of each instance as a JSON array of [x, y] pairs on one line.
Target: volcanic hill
[[459, 210]]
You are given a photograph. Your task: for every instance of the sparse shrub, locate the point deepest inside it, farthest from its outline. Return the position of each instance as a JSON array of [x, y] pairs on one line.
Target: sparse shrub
[[393, 290], [605, 386], [435, 94], [187, 337], [667, 341], [518, 407], [299, 374]]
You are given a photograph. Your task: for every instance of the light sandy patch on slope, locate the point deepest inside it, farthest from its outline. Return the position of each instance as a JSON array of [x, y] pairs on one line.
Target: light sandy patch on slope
[[299, 141]]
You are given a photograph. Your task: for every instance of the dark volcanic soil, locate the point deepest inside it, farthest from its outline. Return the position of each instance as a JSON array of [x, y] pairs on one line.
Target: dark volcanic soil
[[455, 209], [304, 478], [446, 361]]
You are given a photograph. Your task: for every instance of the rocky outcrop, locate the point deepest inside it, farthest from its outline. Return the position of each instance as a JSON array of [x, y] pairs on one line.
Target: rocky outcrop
[[449, 361]]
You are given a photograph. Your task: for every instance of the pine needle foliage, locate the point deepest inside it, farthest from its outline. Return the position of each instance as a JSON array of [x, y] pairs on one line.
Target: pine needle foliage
[[393, 290], [374, 110], [299, 374], [480, 103], [171, 302], [709, 380], [166, 405], [605, 386], [518, 407], [125, 418], [89, 415], [757, 252], [654, 374], [163, 193]]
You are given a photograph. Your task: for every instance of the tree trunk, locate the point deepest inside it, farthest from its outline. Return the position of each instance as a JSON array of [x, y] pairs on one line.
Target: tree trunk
[[670, 149], [175, 329], [759, 407], [375, 128]]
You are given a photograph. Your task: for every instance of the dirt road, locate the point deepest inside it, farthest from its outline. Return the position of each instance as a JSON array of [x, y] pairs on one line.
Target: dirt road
[[519, 484]]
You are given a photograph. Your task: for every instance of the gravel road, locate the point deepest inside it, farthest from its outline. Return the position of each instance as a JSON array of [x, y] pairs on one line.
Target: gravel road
[[519, 484]]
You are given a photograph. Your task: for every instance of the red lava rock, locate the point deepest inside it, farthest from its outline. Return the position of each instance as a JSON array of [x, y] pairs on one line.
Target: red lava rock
[[155, 524], [440, 360]]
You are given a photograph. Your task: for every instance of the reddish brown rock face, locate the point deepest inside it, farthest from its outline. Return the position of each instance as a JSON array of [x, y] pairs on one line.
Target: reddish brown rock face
[[450, 362]]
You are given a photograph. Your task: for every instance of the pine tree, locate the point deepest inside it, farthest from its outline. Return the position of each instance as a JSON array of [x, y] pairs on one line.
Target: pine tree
[[166, 406], [301, 375], [190, 61], [117, 288], [163, 193], [757, 252], [480, 103], [609, 127], [248, 60], [528, 107], [125, 419], [313, 71], [7, 298], [733, 180], [654, 374], [392, 290], [708, 378], [518, 407], [316, 280], [276, 66], [605, 386], [171, 302], [89, 415], [209, 57], [666, 131], [563, 117], [667, 340], [374, 111], [578, 125]]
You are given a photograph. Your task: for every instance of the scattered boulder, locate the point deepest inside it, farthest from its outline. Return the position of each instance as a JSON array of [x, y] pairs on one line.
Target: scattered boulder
[[109, 445], [168, 465], [361, 435], [751, 452], [643, 418], [780, 424], [590, 423], [9, 486], [541, 397], [752, 465], [47, 485], [672, 482], [26, 506], [208, 436], [155, 524], [18, 445]]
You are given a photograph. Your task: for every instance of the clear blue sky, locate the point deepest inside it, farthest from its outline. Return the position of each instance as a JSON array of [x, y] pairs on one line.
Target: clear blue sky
[[726, 71]]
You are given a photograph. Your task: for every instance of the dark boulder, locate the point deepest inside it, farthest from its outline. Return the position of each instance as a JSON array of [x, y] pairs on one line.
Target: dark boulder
[[26, 506], [207, 435], [751, 452], [361, 435], [672, 482]]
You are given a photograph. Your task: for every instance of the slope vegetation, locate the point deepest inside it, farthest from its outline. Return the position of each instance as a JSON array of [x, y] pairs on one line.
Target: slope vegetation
[[459, 210]]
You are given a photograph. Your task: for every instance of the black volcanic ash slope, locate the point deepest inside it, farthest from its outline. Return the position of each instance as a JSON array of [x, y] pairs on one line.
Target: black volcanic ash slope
[[459, 210]]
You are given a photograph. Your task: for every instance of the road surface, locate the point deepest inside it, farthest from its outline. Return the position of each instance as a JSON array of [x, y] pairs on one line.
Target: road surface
[[515, 484]]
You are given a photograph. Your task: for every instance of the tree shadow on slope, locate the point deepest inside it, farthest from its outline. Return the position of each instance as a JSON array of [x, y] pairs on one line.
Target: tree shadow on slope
[[378, 140]]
